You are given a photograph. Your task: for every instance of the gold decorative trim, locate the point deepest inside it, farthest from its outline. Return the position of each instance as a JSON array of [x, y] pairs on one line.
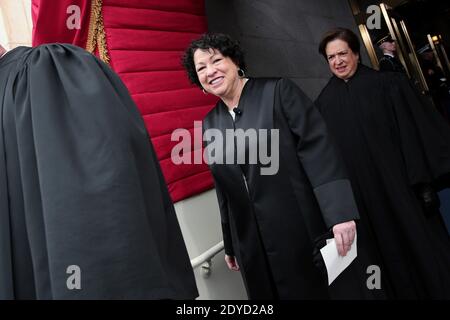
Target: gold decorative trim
[[97, 35], [101, 41], [92, 34]]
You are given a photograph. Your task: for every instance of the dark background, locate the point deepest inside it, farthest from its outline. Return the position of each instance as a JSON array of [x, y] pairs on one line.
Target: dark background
[[281, 37]]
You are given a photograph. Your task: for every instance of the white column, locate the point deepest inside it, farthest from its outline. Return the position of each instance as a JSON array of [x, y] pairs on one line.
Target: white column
[[15, 23]]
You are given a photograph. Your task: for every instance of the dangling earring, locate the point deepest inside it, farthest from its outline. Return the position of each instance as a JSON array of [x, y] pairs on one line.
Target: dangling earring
[[241, 73], [204, 92]]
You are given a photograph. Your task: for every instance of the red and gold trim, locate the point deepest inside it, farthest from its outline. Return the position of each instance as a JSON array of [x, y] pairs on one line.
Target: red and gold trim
[[97, 35]]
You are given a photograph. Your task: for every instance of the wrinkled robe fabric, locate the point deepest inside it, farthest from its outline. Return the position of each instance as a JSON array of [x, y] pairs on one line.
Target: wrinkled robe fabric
[[80, 186]]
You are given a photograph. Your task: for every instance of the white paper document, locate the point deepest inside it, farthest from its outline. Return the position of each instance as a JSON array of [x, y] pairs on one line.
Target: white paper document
[[334, 262]]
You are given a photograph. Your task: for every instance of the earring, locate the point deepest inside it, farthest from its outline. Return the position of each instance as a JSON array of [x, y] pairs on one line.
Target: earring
[[204, 91], [241, 73]]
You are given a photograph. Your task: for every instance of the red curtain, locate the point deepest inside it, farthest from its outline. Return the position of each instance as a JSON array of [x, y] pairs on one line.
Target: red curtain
[[145, 41]]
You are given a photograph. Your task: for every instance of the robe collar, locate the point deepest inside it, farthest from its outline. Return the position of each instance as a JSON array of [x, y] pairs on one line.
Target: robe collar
[[223, 107], [361, 70]]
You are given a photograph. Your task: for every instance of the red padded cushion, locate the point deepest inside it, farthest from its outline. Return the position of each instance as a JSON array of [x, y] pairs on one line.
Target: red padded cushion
[[146, 39]]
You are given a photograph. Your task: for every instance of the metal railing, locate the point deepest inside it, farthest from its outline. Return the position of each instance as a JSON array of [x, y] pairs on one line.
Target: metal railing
[[204, 260]]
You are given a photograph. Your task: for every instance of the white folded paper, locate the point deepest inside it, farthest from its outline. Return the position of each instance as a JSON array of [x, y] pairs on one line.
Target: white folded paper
[[335, 263]]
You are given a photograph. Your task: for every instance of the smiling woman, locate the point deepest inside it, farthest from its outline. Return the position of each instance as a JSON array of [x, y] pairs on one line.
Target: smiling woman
[[260, 211], [219, 75]]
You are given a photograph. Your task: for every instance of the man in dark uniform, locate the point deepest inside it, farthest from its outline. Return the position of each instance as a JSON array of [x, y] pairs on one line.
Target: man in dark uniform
[[389, 61], [437, 82]]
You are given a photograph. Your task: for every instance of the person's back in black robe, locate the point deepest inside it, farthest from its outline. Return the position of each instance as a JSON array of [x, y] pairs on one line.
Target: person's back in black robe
[[81, 185], [392, 144]]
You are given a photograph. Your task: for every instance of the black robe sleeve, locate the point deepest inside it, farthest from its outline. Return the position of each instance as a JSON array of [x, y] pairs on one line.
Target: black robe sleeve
[[318, 155], [90, 186], [222, 200], [424, 136], [225, 220]]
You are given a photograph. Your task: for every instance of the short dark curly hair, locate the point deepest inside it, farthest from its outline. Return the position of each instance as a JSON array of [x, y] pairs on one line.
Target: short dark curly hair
[[343, 34], [223, 43]]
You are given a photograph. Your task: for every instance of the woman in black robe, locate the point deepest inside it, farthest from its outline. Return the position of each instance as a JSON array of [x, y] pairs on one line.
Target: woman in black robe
[[84, 209], [270, 221], [397, 152]]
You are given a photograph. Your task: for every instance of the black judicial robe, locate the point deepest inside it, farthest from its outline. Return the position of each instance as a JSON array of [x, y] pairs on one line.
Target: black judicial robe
[[272, 227], [80, 185], [392, 143]]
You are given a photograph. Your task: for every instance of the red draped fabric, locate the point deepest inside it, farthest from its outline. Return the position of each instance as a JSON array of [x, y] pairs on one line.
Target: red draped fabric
[[50, 21], [145, 40]]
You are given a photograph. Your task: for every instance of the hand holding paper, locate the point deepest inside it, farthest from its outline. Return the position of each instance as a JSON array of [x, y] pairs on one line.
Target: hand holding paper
[[335, 263]]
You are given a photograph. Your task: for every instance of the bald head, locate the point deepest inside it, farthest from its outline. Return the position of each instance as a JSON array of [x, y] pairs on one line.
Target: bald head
[[2, 51], [389, 47]]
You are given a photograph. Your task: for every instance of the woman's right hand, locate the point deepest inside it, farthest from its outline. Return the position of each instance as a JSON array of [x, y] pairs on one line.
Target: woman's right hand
[[231, 263]]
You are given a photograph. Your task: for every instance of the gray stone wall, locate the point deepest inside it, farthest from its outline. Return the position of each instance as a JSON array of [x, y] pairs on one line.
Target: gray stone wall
[[281, 37]]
